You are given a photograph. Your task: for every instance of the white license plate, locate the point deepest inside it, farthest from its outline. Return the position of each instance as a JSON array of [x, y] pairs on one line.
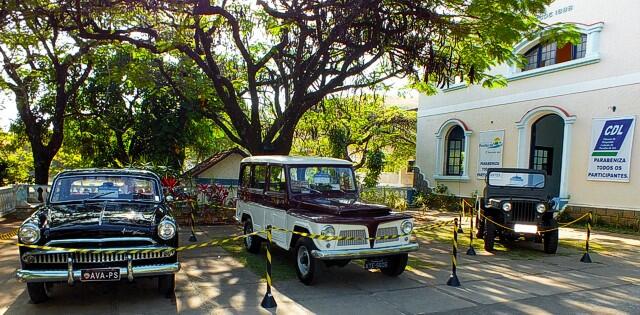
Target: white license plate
[[525, 228], [100, 274]]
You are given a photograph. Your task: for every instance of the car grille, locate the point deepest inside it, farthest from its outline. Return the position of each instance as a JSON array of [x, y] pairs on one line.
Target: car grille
[[523, 211], [387, 231], [61, 258], [359, 234]]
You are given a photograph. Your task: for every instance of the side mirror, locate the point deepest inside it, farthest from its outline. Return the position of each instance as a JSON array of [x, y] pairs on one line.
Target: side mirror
[[168, 198]]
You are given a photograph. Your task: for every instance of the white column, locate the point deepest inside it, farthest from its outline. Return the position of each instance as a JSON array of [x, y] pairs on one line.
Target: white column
[[438, 158], [465, 171], [566, 157], [523, 152]]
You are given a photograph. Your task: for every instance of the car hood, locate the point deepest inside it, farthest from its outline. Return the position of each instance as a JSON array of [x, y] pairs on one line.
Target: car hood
[[102, 219], [342, 206]]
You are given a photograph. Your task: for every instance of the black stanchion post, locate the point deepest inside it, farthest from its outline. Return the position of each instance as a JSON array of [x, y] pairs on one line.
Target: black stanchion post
[[586, 258], [268, 301], [453, 279], [193, 237], [471, 251], [461, 215]]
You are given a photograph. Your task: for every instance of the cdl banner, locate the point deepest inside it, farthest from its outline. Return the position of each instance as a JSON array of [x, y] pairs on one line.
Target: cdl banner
[[610, 154], [489, 151]]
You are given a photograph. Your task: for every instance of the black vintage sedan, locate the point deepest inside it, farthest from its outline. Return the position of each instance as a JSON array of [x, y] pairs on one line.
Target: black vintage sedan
[[118, 217]]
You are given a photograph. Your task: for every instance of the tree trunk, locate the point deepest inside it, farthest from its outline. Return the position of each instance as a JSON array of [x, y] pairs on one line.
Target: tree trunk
[[41, 165]]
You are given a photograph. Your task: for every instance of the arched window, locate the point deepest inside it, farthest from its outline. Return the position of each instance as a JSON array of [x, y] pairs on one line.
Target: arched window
[[455, 152], [543, 55]]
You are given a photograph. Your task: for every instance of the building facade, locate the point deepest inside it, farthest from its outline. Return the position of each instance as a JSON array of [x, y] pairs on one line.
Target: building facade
[[571, 110]]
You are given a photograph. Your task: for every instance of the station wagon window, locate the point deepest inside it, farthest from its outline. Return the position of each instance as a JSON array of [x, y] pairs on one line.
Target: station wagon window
[[259, 177], [277, 181], [245, 177], [310, 179]]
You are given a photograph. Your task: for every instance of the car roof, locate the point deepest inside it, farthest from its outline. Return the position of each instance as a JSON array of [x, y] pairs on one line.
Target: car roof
[[295, 160], [109, 171], [516, 170]]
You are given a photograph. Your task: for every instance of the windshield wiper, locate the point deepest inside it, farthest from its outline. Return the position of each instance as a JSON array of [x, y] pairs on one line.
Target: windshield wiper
[[97, 196]]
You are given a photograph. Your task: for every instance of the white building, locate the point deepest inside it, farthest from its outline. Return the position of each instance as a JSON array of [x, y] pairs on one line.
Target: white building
[[570, 111]]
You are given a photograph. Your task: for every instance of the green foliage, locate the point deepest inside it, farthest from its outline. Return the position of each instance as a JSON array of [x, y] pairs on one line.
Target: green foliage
[[441, 199], [353, 127], [389, 197], [375, 163]]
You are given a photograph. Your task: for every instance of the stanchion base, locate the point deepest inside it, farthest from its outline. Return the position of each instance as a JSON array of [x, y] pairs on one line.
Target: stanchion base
[[193, 238], [460, 231], [268, 301], [586, 258], [471, 251], [453, 280]]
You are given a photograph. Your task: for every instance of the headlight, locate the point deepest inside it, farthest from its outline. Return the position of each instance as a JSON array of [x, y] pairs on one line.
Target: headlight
[[506, 206], [541, 208], [406, 227], [166, 230], [328, 230], [29, 234]]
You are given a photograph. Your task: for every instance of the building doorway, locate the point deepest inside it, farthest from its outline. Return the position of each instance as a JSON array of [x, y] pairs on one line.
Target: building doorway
[[547, 141]]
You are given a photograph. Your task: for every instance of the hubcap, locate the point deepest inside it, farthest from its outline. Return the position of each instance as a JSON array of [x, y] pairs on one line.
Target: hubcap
[[303, 260]]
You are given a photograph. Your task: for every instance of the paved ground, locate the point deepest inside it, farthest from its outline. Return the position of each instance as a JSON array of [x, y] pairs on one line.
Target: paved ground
[[212, 282]]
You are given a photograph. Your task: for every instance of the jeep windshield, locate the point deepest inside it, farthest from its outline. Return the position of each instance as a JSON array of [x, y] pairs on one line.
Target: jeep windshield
[[321, 179], [84, 188], [516, 179]]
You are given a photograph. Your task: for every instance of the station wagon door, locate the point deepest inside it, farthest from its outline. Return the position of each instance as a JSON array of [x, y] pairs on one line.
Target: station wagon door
[[276, 201]]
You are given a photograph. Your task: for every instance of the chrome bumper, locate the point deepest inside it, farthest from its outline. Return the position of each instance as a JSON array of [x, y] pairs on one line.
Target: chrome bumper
[[71, 275], [363, 253]]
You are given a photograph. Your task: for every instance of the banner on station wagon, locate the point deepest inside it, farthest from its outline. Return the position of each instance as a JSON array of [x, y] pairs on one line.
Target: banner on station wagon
[[489, 151], [610, 152]]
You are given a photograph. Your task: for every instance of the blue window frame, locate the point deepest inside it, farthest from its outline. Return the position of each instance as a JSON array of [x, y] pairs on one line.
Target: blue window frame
[[543, 55]]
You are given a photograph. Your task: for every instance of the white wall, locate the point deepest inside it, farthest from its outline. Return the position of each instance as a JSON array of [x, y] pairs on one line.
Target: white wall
[[586, 92], [229, 168]]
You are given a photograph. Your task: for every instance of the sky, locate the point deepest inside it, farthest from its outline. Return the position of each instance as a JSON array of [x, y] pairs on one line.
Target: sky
[[8, 111]]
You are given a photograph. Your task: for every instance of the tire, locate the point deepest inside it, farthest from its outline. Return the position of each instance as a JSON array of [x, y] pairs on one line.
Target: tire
[[307, 267], [550, 242], [37, 292], [167, 284], [396, 266], [479, 227], [489, 235], [251, 243]]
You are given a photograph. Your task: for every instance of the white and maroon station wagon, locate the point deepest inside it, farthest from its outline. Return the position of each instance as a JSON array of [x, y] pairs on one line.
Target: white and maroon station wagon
[[319, 196]]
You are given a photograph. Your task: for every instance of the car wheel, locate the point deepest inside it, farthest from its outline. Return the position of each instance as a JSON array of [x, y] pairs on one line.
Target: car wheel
[[37, 292], [307, 266], [489, 235], [550, 242], [397, 264], [251, 243], [480, 227], [167, 284]]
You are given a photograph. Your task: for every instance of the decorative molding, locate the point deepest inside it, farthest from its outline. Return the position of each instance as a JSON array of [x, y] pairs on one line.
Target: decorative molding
[[440, 149], [567, 89]]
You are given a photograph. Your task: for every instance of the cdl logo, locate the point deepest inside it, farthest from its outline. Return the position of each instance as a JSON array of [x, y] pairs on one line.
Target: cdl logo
[[615, 130]]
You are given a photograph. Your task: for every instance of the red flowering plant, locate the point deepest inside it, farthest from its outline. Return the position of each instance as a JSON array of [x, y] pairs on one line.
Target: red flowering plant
[[215, 194]]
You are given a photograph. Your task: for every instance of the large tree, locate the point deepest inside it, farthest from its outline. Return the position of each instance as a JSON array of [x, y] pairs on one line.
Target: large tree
[[43, 65], [271, 61]]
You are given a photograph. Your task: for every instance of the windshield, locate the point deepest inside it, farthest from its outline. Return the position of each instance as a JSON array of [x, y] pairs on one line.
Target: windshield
[[310, 179], [104, 187], [514, 179]]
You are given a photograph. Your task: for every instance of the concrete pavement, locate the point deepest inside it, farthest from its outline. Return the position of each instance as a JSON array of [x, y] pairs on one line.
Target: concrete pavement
[[213, 282]]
